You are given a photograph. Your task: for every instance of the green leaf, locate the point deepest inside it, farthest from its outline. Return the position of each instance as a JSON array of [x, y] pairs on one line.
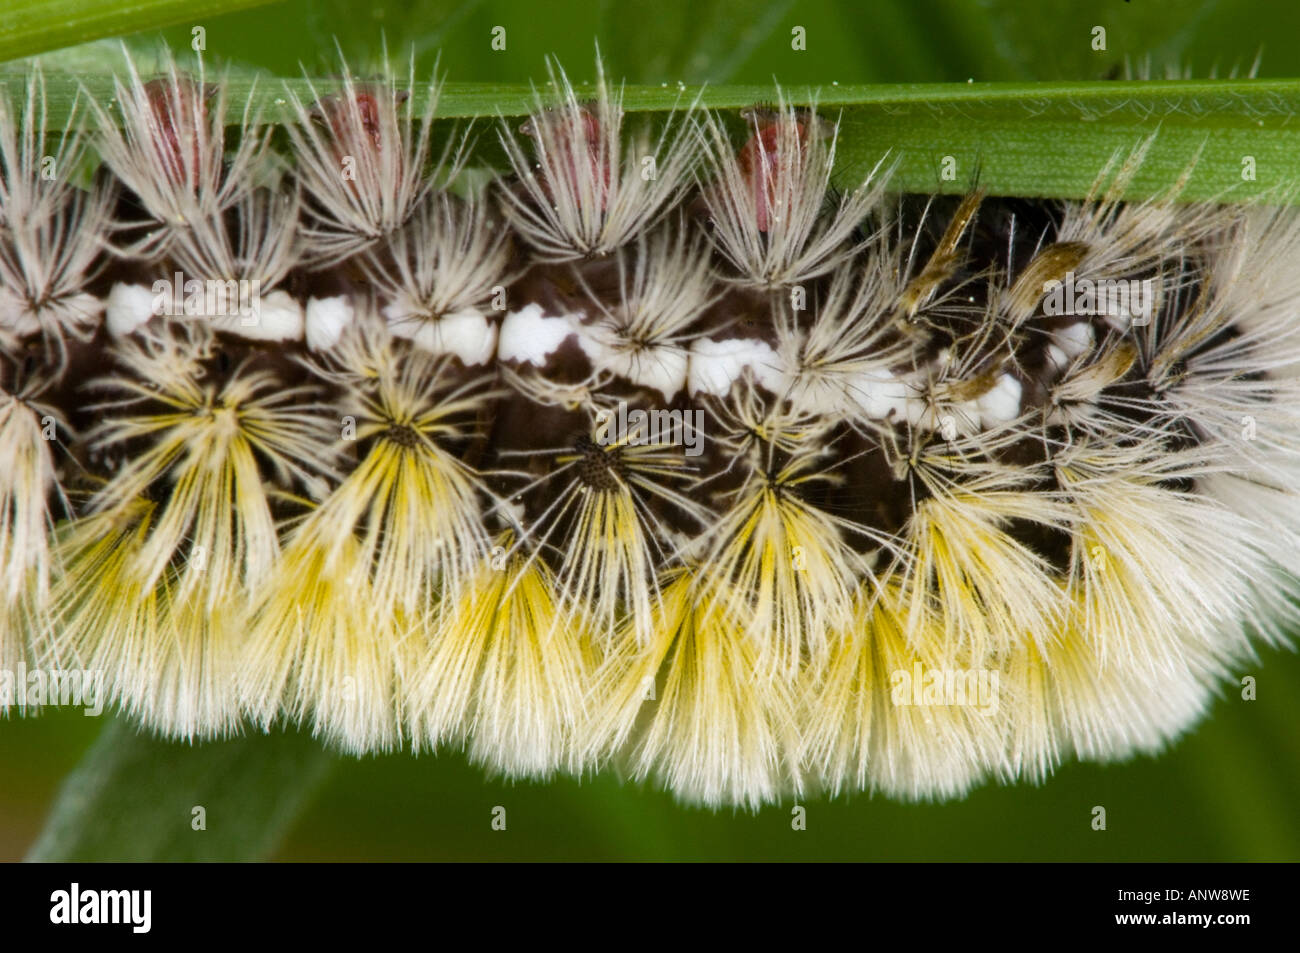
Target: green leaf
[[134, 798], [1048, 140], [33, 26]]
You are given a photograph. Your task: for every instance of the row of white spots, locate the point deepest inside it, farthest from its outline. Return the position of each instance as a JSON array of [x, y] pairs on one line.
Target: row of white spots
[[713, 367], [530, 337], [275, 316]]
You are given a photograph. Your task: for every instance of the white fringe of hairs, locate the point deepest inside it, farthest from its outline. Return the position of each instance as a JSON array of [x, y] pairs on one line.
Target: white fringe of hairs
[[291, 517]]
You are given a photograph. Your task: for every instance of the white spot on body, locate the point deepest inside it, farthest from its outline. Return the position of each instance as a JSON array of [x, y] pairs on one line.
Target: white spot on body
[[1000, 403], [529, 336], [1074, 339], [279, 317], [662, 368], [715, 365], [326, 320], [468, 335], [879, 393], [128, 308]]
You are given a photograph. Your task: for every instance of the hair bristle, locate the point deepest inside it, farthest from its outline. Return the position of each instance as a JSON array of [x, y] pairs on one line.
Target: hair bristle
[[585, 191], [207, 449], [767, 204], [52, 232], [168, 149], [362, 158]]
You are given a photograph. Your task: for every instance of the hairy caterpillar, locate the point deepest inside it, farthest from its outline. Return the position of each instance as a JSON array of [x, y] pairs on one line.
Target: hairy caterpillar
[[719, 475]]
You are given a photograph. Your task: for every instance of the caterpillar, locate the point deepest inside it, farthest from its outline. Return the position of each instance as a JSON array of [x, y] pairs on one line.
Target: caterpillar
[[712, 471]]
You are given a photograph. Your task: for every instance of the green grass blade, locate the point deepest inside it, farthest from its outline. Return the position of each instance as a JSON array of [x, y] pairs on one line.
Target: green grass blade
[[133, 798], [1038, 140], [28, 27]]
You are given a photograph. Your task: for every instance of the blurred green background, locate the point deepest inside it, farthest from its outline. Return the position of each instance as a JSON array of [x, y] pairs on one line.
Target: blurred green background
[[749, 41], [1228, 791], [744, 41]]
